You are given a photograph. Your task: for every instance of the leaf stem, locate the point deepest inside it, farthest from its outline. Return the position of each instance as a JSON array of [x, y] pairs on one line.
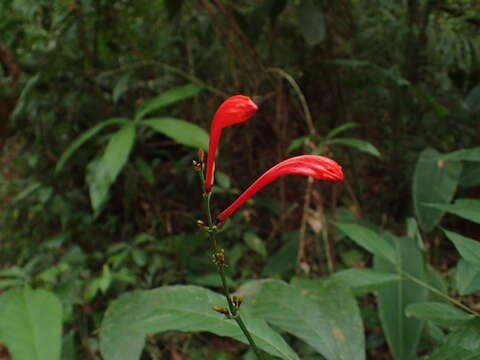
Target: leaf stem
[[438, 292]]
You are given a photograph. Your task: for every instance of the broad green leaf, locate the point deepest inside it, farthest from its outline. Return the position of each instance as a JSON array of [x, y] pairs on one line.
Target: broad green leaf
[[369, 240], [98, 183], [467, 278], [181, 131], [10, 282], [361, 280], [436, 281], [402, 333], [181, 308], [118, 341], [468, 336], [358, 144], [462, 344], [117, 151], [468, 248], [311, 22], [168, 97], [324, 314], [441, 314], [435, 181], [472, 154], [102, 172], [452, 352], [466, 208], [341, 128], [413, 232], [255, 243], [83, 138], [31, 324], [470, 174]]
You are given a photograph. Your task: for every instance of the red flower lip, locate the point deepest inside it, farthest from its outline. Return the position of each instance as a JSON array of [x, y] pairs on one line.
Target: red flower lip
[[319, 167], [235, 109]]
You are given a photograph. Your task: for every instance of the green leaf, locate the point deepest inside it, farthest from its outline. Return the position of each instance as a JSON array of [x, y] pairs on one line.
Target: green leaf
[[22, 103], [466, 208], [311, 22], [441, 314], [168, 97], [421, 92], [358, 144], [368, 239], [470, 174], [182, 308], [472, 154], [102, 172], [463, 344], [296, 143], [361, 280], [473, 99], [120, 87], [222, 179], [181, 131], [31, 324], [324, 314], [145, 169], [453, 352], [105, 279], [255, 243], [468, 248], [341, 128], [83, 138], [435, 181], [402, 333], [467, 278]]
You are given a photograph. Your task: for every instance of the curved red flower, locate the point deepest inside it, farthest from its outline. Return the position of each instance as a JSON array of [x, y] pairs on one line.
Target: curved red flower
[[319, 167], [235, 109]]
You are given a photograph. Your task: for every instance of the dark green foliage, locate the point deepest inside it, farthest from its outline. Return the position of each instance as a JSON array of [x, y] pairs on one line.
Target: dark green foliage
[[103, 105]]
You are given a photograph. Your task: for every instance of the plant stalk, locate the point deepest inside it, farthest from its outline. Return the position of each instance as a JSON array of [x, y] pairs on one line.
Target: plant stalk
[[219, 262]]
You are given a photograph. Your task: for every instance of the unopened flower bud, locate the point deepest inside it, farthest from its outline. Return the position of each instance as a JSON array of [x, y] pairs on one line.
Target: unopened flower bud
[[200, 155], [221, 310]]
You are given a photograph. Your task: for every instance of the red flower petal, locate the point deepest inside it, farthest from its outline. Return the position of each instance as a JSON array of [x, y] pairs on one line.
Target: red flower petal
[[235, 109], [319, 167]]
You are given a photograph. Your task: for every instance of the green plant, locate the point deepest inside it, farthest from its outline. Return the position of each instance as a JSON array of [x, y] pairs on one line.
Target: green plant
[[104, 169]]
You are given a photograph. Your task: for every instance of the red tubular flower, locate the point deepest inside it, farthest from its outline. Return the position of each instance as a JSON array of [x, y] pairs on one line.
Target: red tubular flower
[[234, 110], [319, 167]]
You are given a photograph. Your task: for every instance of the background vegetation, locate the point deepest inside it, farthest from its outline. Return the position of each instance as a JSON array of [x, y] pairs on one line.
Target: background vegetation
[[102, 107]]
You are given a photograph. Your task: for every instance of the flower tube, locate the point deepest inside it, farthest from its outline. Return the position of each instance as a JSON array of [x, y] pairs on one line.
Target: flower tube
[[234, 110], [319, 167]]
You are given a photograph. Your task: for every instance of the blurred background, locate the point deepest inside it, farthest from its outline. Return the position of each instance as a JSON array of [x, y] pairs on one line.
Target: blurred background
[[103, 104]]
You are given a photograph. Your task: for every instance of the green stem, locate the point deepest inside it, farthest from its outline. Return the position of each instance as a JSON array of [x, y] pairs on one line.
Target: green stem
[[438, 292], [212, 229]]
